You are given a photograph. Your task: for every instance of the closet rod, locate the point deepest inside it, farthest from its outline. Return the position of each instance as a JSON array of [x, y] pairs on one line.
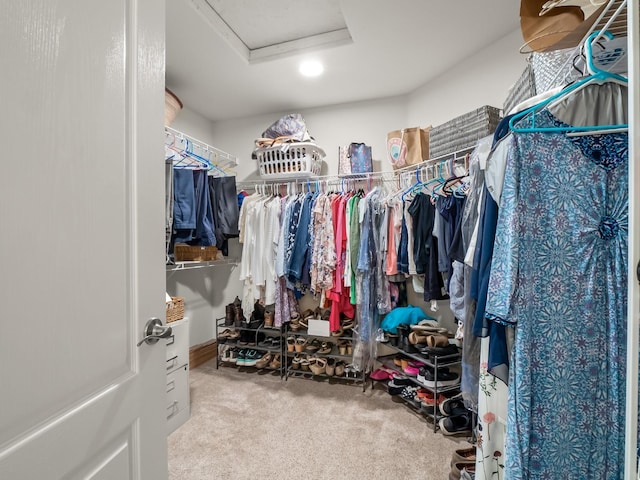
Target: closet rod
[[217, 157]]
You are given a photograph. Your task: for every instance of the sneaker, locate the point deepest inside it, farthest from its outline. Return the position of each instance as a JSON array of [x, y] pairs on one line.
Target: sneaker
[[397, 385], [455, 425], [251, 358], [240, 358], [232, 355], [421, 373], [452, 405], [445, 379], [408, 394]]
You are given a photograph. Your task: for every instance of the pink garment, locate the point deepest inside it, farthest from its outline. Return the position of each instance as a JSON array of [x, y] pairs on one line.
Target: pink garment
[[392, 253]]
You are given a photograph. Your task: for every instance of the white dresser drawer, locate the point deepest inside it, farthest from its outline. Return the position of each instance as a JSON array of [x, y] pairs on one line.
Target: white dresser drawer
[[178, 345], [177, 397]]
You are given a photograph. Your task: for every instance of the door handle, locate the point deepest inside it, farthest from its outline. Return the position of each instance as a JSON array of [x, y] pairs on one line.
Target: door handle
[[154, 331]]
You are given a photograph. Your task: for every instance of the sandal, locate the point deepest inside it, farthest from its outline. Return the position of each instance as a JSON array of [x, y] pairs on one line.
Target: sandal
[[348, 324], [307, 314], [295, 363], [325, 348], [318, 366], [342, 347], [339, 370], [291, 342], [349, 348], [338, 333], [330, 369], [313, 346], [304, 364], [301, 342]]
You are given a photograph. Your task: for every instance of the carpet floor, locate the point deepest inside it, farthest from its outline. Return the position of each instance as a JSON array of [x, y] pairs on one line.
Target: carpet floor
[[253, 425]]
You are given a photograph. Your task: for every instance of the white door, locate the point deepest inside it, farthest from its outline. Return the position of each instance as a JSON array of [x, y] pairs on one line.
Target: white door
[[81, 239]]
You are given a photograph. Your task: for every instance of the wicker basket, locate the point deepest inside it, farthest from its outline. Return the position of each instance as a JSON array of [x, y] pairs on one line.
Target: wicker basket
[[463, 132], [290, 160], [172, 105], [175, 309], [190, 253]]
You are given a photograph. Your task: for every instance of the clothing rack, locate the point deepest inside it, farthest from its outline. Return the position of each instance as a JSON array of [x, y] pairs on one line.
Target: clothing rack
[[185, 151], [402, 177]]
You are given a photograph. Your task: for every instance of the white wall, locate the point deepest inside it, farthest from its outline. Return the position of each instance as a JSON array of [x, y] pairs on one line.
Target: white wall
[[331, 127], [205, 290], [483, 79]]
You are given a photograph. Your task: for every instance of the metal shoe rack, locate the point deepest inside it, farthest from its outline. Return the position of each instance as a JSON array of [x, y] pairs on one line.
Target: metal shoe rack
[[253, 344], [356, 376], [438, 362]]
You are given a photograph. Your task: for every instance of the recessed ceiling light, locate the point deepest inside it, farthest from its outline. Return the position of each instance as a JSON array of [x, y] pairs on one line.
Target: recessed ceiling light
[[311, 68]]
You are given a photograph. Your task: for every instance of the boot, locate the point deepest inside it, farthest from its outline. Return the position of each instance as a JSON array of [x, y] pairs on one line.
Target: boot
[[229, 316], [238, 316], [268, 319]]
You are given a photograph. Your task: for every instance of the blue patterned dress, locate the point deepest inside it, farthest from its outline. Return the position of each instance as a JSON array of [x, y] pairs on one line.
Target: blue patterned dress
[[559, 275]]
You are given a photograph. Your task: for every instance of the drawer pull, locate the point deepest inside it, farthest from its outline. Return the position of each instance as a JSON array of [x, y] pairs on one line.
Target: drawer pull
[[173, 361], [172, 409], [172, 340], [171, 386]]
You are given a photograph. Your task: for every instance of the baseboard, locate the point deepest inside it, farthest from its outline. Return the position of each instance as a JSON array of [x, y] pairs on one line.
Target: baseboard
[[199, 354]]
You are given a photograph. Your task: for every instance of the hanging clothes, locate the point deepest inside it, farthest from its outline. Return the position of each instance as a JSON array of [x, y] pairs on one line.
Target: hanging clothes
[[559, 275]]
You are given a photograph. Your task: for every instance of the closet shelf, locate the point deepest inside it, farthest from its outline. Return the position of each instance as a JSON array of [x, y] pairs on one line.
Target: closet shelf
[[193, 265], [189, 152]]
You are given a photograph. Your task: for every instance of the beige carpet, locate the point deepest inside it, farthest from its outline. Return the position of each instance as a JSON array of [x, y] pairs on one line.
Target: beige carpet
[[247, 425]]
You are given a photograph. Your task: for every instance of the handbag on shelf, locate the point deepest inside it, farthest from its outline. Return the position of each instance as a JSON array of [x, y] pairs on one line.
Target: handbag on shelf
[[344, 162], [408, 146], [360, 158]]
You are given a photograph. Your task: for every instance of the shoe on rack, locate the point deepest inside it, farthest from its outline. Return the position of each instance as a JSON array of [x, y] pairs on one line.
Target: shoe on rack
[[452, 405], [318, 365], [456, 425], [428, 368], [408, 394], [300, 344], [339, 371], [229, 315], [445, 351], [240, 358], [268, 318], [445, 379], [291, 343], [437, 340], [265, 360], [251, 358], [463, 455], [276, 363], [330, 369]]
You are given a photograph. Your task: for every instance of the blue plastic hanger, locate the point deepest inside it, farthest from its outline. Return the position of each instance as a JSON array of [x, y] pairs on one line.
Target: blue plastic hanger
[[597, 76]]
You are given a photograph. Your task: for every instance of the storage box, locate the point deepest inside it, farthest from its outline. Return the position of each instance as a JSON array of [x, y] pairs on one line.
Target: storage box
[[463, 132], [318, 327], [190, 253], [290, 160], [175, 309]]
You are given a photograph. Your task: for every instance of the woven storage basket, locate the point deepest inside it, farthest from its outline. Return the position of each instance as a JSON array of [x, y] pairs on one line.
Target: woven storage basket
[[189, 253], [463, 132], [175, 309], [172, 105], [524, 88], [290, 160]]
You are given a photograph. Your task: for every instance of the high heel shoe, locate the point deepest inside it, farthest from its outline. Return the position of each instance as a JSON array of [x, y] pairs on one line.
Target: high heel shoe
[[300, 344], [330, 368], [291, 343]]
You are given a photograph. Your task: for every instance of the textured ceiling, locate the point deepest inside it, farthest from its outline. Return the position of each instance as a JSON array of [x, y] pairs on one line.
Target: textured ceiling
[[396, 47]]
